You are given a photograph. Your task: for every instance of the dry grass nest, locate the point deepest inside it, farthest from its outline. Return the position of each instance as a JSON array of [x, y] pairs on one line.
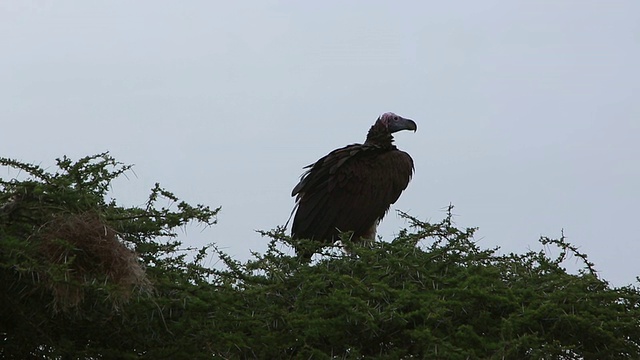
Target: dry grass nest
[[83, 250]]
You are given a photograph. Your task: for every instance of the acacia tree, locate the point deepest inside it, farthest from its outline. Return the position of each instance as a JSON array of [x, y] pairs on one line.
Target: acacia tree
[[83, 277]]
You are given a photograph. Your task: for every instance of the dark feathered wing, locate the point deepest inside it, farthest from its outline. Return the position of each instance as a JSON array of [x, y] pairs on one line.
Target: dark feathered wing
[[349, 189]]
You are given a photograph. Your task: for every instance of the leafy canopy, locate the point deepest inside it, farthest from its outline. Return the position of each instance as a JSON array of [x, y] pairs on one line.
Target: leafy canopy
[[83, 277]]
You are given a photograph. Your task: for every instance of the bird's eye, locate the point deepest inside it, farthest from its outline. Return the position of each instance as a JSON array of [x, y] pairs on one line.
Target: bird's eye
[[395, 118]]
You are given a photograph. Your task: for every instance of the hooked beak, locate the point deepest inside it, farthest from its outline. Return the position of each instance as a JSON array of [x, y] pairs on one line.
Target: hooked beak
[[402, 124]]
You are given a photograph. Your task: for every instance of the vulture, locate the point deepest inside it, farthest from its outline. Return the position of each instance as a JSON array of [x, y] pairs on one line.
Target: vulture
[[352, 188]]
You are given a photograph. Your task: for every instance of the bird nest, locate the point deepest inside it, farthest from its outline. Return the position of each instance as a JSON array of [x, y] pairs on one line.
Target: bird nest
[[83, 252]]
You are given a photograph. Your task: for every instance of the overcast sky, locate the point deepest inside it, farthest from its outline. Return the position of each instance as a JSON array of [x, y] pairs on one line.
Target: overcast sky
[[528, 112]]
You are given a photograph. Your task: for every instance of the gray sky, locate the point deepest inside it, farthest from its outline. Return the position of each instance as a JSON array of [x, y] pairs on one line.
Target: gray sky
[[528, 112]]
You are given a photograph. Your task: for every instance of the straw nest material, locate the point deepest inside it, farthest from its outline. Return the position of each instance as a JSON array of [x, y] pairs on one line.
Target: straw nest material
[[83, 250]]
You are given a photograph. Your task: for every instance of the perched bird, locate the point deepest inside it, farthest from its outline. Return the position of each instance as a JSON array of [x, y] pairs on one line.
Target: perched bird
[[352, 188]]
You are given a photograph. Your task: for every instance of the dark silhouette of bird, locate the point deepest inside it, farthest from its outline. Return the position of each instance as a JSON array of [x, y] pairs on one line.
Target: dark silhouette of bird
[[352, 188]]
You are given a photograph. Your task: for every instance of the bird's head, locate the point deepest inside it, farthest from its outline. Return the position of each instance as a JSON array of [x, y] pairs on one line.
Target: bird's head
[[394, 123]]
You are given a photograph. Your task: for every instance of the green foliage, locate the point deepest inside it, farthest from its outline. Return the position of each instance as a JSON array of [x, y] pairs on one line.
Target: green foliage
[[82, 277], [430, 293]]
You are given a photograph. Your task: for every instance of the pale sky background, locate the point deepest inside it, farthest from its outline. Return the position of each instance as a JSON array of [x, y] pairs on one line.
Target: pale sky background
[[528, 112]]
